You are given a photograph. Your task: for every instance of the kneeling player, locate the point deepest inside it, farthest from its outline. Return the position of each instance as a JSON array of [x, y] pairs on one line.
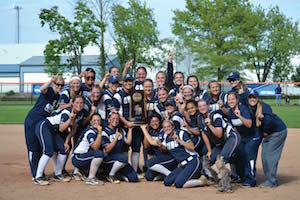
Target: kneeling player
[[115, 160], [86, 154]]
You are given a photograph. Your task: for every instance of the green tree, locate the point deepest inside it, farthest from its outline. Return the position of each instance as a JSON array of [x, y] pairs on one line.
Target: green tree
[[272, 40], [74, 37], [134, 32], [212, 31], [296, 76]]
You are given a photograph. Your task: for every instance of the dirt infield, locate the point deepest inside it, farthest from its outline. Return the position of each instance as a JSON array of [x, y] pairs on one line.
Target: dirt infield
[[15, 179]]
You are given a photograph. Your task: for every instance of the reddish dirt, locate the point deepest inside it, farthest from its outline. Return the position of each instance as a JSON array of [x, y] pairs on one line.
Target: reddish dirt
[[16, 183]]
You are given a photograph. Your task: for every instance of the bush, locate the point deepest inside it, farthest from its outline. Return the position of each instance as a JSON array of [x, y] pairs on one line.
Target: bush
[[10, 93]]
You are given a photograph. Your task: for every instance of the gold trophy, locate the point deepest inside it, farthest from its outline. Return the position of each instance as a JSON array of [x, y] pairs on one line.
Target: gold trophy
[[138, 108]]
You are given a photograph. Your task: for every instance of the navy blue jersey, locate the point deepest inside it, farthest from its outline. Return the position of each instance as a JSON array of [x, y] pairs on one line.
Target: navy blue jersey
[[138, 85], [121, 100], [44, 105], [157, 135], [85, 90], [106, 101], [271, 122], [179, 152], [203, 95], [108, 135], [192, 122], [88, 106], [177, 119], [65, 96], [237, 122], [213, 104], [243, 98], [87, 138], [174, 91], [160, 109], [62, 116], [151, 105]]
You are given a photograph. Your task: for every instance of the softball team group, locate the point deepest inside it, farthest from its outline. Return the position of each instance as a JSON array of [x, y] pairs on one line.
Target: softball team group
[[193, 136]]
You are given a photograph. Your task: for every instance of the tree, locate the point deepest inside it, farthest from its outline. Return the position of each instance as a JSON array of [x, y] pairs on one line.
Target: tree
[[296, 76], [74, 37], [212, 30], [134, 32], [272, 41]]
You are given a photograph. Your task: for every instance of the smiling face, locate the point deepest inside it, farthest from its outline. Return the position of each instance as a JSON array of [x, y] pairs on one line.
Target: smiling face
[[178, 79], [252, 100], [78, 104], [95, 94], [232, 100], [75, 85], [214, 88], [191, 108], [96, 121], [89, 79], [168, 127], [161, 79], [154, 123], [148, 87], [115, 72], [113, 87], [193, 82], [187, 93], [128, 85], [162, 95], [59, 85], [114, 120], [170, 109], [234, 82], [141, 75], [203, 107]]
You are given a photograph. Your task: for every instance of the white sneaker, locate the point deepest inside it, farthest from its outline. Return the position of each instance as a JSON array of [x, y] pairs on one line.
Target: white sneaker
[[93, 181], [41, 181], [113, 179], [62, 178]]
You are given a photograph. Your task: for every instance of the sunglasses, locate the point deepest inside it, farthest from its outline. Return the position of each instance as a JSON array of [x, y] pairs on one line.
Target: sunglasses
[[90, 77], [232, 80], [59, 85]]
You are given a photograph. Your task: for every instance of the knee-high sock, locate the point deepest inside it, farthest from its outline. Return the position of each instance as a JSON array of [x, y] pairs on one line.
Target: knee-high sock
[[160, 169], [42, 165], [96, 162], [193, 183], [116, 167], [135, 160], [60, 162], [54, 163], [75, 170]]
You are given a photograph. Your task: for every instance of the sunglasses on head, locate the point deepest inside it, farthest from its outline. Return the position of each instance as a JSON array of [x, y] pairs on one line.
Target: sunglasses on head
[[90, 77], [59, 85]]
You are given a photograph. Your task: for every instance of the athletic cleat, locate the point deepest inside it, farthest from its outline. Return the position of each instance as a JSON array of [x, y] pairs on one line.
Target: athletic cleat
[[40, 181], [204, 181], [93, 181], [113, 179], [140, 176], [78, 176], [62, 178]]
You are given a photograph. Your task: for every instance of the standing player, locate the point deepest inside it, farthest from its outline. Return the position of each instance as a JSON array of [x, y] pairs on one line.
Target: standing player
[[44, 106], [67, 94], [86, 154], [218, 99], [162, 95], [89, 80], [172, 114], [48, 132], [198, 92], [115, 160], [239, 87], [175, 81]]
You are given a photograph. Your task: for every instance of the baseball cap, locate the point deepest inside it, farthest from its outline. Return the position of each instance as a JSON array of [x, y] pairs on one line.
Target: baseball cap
[[253, 93], [170, 102], [233, 76], [128, 77], [113, 79]]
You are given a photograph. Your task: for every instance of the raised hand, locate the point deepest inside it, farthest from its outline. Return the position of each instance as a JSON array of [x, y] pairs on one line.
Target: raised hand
[[171, 56], [129, 63]]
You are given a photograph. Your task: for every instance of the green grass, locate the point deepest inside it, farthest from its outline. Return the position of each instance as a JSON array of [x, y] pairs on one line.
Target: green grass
[[15, 113]]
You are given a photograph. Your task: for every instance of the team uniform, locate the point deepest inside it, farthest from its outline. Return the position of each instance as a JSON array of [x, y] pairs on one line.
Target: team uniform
[[243, 98], [202, 95], [116, 154], [159, 157], [106, 102], [151, 104], [177, 118], [213, 104], [43, 108], [86, 91], [227, 145], [250, 141], [83, 154], [121, 101], [190, 163], [196, 139], [160, 108]]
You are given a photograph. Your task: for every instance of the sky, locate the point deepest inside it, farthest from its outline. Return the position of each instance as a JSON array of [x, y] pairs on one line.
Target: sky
[[32, 32]]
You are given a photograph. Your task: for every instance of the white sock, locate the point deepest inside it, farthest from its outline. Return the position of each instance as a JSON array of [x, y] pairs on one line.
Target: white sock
[[160, 169], [42, 165], [76, 170], [54, 163], [60, 162], [193, 183], [96, 162], [135, 160], [116, 167]]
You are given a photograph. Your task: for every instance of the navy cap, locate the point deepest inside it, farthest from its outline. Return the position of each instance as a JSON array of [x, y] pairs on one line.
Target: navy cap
[[253, 93], [233, 76], [128, 77], [113, 79], [170, 102]]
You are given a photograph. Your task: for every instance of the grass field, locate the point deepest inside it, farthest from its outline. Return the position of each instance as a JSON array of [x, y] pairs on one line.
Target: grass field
[[15, 112]]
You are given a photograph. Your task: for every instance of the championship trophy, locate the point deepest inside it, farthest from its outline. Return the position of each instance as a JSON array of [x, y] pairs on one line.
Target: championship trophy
[[138, 108]]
